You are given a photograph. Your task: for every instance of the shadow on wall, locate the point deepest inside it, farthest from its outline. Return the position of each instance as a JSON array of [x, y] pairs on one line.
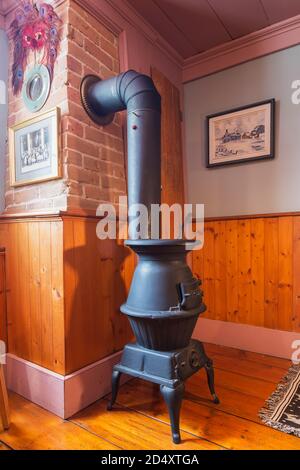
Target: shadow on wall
[[3, 112], [97, 278]]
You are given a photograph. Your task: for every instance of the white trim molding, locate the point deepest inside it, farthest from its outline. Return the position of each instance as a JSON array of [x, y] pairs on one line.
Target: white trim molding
[[257, 339], [274, 38], [62, 395]]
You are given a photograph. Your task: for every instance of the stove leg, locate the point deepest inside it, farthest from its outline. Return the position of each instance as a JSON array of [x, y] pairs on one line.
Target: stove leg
[[115, 388], [211, 380], [173, 398]]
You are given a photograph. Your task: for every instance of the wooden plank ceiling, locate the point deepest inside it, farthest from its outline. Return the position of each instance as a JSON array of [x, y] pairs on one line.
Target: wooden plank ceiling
[[193, 26]]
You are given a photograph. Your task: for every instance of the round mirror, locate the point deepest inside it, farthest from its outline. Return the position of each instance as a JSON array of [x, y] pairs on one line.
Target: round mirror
[[35, 87]]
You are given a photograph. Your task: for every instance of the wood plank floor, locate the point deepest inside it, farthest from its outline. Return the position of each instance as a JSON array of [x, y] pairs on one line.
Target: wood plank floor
[[140, 421]]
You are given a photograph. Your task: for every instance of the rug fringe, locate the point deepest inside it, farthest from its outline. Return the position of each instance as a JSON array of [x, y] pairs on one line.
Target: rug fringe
[[274, 400], [282, 427]]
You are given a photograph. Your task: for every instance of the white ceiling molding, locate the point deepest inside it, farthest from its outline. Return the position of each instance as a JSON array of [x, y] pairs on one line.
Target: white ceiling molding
[[274, 38]]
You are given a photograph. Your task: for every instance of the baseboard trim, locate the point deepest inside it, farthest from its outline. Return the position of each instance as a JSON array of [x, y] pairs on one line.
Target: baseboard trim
[[249, 338], [62, 395], [66, 395]]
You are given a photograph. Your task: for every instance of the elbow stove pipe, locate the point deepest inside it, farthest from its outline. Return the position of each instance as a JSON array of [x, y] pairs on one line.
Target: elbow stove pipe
[[137, 94]]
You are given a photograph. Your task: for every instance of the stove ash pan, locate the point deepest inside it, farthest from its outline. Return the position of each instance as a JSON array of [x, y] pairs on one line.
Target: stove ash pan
[[164, 301]]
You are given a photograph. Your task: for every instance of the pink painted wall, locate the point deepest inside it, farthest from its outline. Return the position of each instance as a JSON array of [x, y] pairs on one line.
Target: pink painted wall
[[144, 48], [248, 338], [144, 56]]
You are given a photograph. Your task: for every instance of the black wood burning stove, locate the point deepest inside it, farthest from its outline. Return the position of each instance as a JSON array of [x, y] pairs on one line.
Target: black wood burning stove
[[165, 300]]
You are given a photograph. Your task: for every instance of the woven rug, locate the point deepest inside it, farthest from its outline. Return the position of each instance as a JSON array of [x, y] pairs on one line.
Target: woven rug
[[282, 409]]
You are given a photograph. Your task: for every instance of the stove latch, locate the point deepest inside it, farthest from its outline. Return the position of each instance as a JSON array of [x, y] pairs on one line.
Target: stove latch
[[190, 294]]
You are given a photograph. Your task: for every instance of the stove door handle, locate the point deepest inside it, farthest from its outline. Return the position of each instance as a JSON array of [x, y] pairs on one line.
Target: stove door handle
[[191, 295]]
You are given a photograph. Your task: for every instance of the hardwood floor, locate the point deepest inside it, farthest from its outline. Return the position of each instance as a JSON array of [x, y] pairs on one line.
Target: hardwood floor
[[140, 420]]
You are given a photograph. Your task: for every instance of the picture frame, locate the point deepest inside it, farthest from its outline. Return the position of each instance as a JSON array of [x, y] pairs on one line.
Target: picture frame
[[243, 134], [34, 149]]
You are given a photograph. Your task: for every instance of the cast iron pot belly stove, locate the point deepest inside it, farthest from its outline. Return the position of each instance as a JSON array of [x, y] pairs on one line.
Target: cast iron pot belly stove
[[165, 300]]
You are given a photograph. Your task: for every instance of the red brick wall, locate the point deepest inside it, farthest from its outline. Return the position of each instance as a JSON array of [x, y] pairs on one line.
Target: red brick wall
[[92, 156], [52, 195]]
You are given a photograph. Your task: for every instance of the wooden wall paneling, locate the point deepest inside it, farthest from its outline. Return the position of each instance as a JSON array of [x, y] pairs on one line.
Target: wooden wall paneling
[[172, 163], [3, 318], [70, 276], [220, 301], [125, 263], [46, 295], [34, 288], [232, 270], [97, 276], [35, 292], [17, 331], [244, 272], [257, 272], [57, 291], [209, 269], [197, 263], [296, 275], [271, 272], [65, 288], [285, 272], [257, 260], [23, 309]]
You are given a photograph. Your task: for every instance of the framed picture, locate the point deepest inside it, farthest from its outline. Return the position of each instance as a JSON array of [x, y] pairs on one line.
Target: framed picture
[[34, 149], [241, 135]]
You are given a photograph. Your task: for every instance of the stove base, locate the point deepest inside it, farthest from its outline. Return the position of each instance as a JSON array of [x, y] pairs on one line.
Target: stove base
[[169, 369]]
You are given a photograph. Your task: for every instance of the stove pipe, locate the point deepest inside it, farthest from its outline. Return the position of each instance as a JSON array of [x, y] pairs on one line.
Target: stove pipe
[[136, 93], [165, 300]]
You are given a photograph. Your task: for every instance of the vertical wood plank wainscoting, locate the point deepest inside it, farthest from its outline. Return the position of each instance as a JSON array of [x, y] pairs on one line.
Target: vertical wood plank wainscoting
[[64, 290], [35, 291], [250, 268], [97, 277]]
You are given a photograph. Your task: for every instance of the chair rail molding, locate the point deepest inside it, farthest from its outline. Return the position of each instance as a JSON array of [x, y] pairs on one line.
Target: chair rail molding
[[274, 38]]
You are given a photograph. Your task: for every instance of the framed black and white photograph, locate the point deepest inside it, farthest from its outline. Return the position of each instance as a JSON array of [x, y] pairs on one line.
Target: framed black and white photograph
[[241, 135], [34, 149]]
